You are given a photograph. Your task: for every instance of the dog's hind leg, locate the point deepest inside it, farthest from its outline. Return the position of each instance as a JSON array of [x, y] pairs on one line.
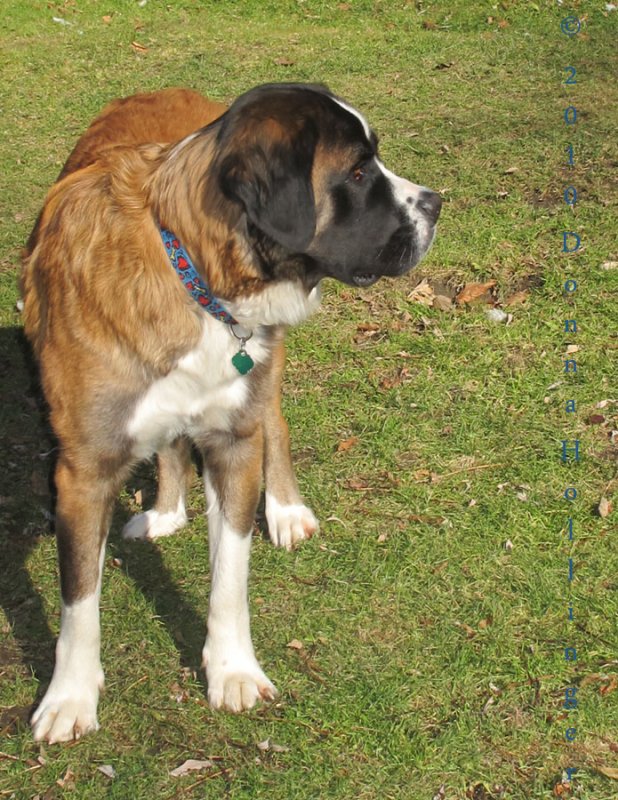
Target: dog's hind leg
[[83, 514], [169, 514]]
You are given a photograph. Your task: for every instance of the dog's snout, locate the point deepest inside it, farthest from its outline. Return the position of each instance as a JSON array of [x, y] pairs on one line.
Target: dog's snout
[[430, 204]]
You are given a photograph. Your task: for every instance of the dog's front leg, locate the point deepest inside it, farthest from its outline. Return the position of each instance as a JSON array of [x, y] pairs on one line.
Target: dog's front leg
[[232, 482], [289, 520], [83, 510]]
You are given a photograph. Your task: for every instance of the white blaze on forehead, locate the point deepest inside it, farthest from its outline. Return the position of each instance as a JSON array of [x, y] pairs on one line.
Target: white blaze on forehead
[[405, 191], [356, 114]]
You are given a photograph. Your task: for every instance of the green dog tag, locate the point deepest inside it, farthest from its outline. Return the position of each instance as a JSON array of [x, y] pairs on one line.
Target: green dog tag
[[243, 362]]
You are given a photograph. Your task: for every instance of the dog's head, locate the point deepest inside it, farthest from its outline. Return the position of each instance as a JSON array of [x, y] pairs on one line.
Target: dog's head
[[304, 168]]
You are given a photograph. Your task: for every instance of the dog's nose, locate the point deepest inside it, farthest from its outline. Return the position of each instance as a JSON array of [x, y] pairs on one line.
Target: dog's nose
[[430, 204]]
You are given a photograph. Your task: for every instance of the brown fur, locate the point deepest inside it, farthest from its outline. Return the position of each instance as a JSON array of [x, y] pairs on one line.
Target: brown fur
[[115, 177]]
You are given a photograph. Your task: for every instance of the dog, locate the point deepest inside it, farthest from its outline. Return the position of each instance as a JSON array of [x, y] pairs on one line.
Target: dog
[[158, 284]]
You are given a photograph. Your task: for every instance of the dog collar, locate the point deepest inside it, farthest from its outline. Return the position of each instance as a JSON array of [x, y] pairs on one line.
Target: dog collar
[[200, 292], [191, 279]]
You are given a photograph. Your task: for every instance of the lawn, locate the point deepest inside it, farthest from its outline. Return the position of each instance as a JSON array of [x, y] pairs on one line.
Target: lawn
[[419, 641]]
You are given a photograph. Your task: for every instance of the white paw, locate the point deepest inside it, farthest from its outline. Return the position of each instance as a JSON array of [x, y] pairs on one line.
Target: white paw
[[236, 683], [151, 524], [289, 524], [68, 711]]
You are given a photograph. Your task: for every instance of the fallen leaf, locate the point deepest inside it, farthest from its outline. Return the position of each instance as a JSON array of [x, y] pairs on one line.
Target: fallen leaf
[[139, 48], [496, 315], [295, 644], [608, 688], [357, 484], [469, 631], [191, 765], [422, 293], [347, 444], [444, 65], [284, 62], [609, 772], [511, 170], [429, 25], [106, 19], [442, 302], [473, 292], [607, 265], [517, 298], [68, 781], [275, 748], [604, 507], [108, 771], [595, 419]]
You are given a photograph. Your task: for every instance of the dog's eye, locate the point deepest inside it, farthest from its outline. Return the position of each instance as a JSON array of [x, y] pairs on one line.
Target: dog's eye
[[359, 173]]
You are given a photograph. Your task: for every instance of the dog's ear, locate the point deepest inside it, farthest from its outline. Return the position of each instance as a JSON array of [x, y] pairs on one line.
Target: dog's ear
[[272, 181]]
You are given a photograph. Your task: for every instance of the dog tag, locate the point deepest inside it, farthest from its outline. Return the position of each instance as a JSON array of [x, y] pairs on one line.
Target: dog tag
[[243, 362]]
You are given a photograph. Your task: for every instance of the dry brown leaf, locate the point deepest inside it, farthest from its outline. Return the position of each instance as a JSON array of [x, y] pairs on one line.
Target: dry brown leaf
[[422, 475], [108, 771], [423, 293], [517, 298], [357, 484], [469, 631], [442, 302], [608, 688], [347, 444], [190, 765], [284, 62], [605, 507], [473, 292], [139, 48], [68, 781], [295, 644], [106, 19], [609, 772]]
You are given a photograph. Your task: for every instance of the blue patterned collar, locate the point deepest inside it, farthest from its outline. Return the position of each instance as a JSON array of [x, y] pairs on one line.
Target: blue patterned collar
[[191, 279]]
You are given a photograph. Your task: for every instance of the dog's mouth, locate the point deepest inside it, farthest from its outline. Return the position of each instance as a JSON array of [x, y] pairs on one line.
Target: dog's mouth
[[364, 279]]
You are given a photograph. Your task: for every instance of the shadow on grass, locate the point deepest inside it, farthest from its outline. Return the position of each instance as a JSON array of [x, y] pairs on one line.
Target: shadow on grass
[[27, 457]]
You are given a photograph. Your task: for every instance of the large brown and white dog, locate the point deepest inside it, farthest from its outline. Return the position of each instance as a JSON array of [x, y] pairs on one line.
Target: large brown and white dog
[[282, 190]]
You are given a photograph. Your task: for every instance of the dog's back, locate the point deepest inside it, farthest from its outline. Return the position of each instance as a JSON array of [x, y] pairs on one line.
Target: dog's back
[[164, 116]]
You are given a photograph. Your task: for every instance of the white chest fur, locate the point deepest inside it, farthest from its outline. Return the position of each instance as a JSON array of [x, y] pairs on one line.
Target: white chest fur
[[199, 394]]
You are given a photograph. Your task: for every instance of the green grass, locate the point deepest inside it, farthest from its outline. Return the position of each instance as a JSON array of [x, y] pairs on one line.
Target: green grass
[[408, 605]]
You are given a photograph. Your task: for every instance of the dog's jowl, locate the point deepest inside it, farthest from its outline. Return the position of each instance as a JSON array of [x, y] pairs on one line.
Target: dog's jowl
[[158, 284]]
